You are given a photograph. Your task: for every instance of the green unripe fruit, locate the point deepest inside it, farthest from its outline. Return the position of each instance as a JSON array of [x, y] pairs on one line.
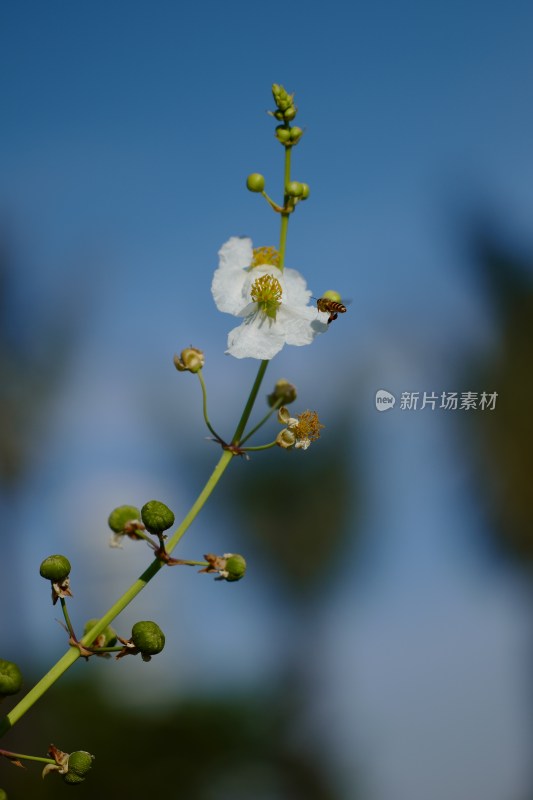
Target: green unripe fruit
[[10, 678], [255, 182], [283, 134], [235, 567], [55, 568], [80, 762], [157, 517], [294, 189], [148, 638], [108, 637], [122, 516], [72, 777], [306, 191], [332, 295]]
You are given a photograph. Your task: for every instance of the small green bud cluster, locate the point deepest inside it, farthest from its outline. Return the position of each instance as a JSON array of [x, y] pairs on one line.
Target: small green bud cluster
[[157, 517], [124, 519], [230, 567], [78, 765], [56, 569], [190, 360], [288, 136], [147, 638], [331, 294], [283, 394], [10, 678], [298, 190], [285, 108]]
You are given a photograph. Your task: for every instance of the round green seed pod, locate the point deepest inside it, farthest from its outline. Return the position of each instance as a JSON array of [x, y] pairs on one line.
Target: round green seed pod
[[235, 567], [157, 517], [255, 182], [55, 568], [148, 637], [306, 191], [10, 678], [80, 762], [108, 637], [120, 517]]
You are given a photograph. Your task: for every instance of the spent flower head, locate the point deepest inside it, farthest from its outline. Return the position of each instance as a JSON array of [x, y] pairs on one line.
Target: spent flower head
[[300, 430], [272, 302]]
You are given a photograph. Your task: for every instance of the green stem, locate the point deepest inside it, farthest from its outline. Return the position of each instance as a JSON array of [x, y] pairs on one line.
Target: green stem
[[67, 618], [10, 755], [259, 447], [267, 416], [73, 653], [204, 399], [285, 214], [250, 403]]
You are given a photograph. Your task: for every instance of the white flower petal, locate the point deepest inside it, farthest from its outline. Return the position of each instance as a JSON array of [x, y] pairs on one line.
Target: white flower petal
[[296, 291], [229, 278], [300, 325], [256, 337]]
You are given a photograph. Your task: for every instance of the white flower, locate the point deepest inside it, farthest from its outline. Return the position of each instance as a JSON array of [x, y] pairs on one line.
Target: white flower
[[273, 303]]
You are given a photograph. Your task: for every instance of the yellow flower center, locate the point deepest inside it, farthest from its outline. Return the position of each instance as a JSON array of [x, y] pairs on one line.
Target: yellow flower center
[[266, 292], [308, 426], [265, 255]]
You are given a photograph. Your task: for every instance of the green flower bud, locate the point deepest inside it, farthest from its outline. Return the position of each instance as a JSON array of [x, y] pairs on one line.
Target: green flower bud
[[157, 517], [190, 360], [108, 637], [294, 189], [332, 295], [55, 568], [306, 191], [255, 182], [284, 391], [148, 638], [121, 518], [289, 113], [283, 134], [296, 134], [235, 567], [80, 762], [10, 678]]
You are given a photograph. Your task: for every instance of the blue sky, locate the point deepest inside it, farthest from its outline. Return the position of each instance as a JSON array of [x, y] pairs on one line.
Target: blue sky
[[127, 133]]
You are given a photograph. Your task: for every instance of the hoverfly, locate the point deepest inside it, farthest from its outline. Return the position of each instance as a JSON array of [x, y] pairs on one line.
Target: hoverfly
[[331, 307]]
